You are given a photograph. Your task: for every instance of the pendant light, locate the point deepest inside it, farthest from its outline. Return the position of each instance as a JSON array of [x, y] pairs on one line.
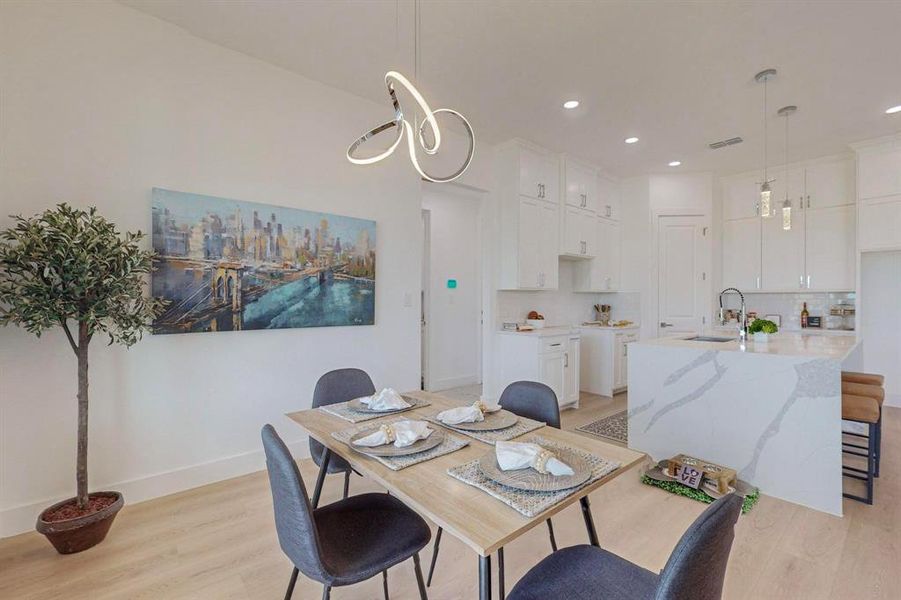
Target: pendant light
[[766, 192], [786, 112], [402, 125]]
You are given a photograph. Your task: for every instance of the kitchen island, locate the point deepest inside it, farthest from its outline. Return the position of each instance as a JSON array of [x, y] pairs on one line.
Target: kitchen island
[[770, 410]]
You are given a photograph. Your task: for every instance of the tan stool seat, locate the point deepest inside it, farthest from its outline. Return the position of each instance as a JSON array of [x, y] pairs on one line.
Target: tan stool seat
[[865, 378], [860, 408], [875, 392]]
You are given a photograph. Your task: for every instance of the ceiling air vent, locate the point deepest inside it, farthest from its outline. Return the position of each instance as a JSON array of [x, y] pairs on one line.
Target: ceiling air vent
[[724, 143]]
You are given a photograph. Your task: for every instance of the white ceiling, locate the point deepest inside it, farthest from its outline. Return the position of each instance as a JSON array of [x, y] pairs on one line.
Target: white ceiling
[[676, 74]]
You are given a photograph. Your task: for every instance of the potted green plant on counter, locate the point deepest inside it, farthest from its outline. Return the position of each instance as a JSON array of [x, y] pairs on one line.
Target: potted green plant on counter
[[761, 330], [70, 268]]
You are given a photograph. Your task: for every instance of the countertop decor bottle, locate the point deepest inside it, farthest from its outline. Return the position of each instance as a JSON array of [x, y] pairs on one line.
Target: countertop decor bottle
[[804, 314]]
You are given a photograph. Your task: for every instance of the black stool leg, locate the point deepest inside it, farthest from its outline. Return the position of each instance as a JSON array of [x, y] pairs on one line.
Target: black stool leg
[[871, 462], [420, 583], [484, 578], [878, 442], [550, 530], [323, 470], [434, 555], [326, 592], [346, 483], [501, 593], [385, 583], [291, 583]]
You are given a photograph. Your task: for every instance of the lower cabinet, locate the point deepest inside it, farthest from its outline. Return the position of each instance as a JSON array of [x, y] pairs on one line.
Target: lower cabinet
[[549, 359], [604, 363]]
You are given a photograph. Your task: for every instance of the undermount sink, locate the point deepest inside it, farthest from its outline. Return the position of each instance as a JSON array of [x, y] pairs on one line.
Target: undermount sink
[[707, 338]]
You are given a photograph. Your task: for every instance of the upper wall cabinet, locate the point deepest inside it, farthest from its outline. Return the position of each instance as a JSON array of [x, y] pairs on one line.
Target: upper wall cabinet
[[879, 170], [829, 183], [580, 184], [527, 186], [539, 173], [741, 197], [879, 192], [608, 205], [601, 273]]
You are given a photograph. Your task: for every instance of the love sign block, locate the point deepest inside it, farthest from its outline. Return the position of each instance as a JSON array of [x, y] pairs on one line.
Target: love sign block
[[689, 476]]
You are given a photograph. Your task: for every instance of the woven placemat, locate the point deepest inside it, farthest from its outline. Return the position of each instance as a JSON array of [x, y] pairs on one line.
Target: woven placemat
[[531, 503], [522, 427], [450, 444], [342, 410]]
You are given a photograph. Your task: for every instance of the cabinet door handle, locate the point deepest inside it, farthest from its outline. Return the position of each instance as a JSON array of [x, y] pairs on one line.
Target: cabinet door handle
[[758, 282], [757, 209], [808, 277], [665, 324], [566, 360], [801, 202], [808, 201], [801, 281]]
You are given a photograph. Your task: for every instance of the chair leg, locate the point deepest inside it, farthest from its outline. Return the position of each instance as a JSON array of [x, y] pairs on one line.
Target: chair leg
[[385, 583], [326, 592], [323, 470], [501, 592], [550, 530], [346, 483], [434, 556], [291, 583], [589, 522], [420, 582]]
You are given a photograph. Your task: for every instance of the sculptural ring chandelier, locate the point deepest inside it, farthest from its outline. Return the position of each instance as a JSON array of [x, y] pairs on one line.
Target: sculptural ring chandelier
[[402, 126]]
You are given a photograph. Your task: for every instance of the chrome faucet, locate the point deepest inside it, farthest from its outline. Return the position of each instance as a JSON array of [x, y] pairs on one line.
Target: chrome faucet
[[742, 316]]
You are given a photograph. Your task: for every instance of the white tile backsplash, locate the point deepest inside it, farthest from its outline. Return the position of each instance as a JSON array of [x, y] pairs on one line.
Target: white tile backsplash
[[789, 306]]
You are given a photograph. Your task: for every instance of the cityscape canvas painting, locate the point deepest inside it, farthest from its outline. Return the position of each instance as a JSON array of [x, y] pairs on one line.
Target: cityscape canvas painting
[[227, 265]]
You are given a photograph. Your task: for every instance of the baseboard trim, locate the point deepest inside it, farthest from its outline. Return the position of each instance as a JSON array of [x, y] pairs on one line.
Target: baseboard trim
[[893, 400], [453, 382], [21, 519]]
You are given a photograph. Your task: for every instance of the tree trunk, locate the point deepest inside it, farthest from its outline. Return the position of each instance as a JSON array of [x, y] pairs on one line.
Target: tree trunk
[[81, 463]]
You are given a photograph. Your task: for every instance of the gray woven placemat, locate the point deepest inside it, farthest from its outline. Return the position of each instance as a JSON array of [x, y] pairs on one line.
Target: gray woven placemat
[[522, 427], [450, 444], [525, 502], [342, 410]]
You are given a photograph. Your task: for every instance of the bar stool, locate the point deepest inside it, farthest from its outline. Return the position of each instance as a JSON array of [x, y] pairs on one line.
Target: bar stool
[[866, 410], [866, 384]]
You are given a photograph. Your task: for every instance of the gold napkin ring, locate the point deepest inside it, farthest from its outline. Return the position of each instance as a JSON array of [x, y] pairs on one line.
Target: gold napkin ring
[[388, 430], [481, 406], [540, 461]]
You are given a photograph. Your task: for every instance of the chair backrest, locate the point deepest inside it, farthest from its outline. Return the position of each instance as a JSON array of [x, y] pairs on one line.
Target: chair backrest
[[294, 522], [336, 386], [532, 400], [697, 567]]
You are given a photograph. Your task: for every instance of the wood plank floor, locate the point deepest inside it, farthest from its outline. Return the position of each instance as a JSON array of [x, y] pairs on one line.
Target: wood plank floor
[[218, 542]]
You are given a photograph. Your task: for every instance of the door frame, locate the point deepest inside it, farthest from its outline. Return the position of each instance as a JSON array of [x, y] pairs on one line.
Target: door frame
[[480, 197], [654, 296]]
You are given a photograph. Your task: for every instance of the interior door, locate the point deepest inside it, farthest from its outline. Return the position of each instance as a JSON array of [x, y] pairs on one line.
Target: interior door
[[681, 274]]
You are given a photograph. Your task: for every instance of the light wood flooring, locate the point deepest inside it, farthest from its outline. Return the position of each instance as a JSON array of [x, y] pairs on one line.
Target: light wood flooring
[[218, 542]]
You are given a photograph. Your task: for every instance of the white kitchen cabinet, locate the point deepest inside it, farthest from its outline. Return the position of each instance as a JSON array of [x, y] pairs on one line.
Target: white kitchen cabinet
[[604, 359], [609, 198], [831, 253], [579, 233], [741, 197], [579, 185], [530, 222], [829, 183], [741, 253], [549, 359], [880, 223], [879, 170], [879, 195], [603, 272]]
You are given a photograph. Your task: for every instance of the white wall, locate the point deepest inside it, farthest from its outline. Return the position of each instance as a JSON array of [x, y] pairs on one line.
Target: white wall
[[880, 321], [100, 103], [454, 331], [644, 199]]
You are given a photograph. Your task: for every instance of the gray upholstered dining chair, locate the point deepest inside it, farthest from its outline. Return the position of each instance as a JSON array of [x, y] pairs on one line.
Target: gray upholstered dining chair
[[532, 400], [337, 386], [342, 543], [695, 570]]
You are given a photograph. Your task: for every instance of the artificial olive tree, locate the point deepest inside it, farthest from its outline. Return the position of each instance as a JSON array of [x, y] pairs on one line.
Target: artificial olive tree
[[71, 268]]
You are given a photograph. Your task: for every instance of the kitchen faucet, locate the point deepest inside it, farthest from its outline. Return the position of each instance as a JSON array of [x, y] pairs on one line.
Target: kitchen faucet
[[742, 317]]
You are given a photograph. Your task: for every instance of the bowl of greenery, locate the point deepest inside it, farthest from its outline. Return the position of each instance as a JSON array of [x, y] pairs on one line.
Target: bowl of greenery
[[761, 329]]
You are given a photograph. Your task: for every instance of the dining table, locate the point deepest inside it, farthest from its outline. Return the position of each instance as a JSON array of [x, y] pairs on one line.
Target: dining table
[[480, 521]]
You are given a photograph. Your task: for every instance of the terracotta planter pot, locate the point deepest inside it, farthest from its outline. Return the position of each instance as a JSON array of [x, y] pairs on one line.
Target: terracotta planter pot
[[74, 535]]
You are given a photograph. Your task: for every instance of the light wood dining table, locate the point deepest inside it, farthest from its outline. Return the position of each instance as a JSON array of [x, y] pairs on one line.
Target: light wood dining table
[[480, 521]]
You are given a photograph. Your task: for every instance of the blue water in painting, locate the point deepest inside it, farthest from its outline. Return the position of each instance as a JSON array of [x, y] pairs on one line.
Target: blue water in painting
[[307, 303]]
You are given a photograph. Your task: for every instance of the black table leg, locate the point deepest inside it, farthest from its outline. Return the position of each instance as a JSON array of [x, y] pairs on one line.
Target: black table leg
[[589, 522], [484, 578], [323, 469], [501, 592]]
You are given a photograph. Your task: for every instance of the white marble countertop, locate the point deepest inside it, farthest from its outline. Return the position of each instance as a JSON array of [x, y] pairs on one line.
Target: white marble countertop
[[730, 329], [783, 343], [632, 327], [546, 331]]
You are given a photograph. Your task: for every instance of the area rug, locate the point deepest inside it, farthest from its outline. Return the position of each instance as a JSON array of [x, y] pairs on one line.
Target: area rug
[[612, 427]]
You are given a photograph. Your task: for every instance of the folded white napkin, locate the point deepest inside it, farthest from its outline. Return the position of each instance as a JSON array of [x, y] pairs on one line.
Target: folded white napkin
[[402, 433], [467, 414], [387, 399], [515, 455]]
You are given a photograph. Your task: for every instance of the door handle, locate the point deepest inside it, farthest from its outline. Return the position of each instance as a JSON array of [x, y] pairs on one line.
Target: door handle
[[665, 324]]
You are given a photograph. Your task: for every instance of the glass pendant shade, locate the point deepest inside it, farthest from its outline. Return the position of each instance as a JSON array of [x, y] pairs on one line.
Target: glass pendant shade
[[766, 200]]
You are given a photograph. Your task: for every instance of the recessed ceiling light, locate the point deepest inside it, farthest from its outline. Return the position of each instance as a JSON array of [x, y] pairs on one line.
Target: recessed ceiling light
[[631, 140], [571, 104], [893, 110], [675, 163]]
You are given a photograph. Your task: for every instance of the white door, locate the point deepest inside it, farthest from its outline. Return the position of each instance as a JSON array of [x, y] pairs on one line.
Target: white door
[[741, 253], [681, 260], [553, 368]]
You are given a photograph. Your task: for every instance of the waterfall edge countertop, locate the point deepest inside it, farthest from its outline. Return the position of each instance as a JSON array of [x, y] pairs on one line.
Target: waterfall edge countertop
[[779, 344]]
